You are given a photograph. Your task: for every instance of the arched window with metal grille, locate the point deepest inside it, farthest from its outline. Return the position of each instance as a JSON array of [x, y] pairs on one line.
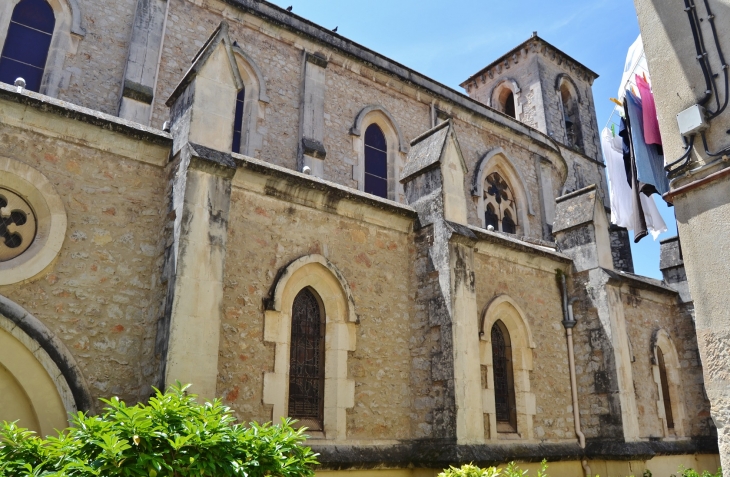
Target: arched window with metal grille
[[27, 43], [665, 388], [238, 121], [504, 388], [306, 361], [376, 162]]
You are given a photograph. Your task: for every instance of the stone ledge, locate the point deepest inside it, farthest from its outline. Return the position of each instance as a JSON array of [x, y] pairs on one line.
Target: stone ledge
[[640, 282], [68, 110], [441, 453], [337, 191], [516, 244]]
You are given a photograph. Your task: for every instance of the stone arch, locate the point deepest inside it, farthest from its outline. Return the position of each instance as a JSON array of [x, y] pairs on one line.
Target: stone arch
[[39, 367], [69, 29], [569, 101], [497, 91], [503, 308], [255, 93], [565, 78], [320, 275], [662, 340], [360, 124], [497, 160], [397, 147]]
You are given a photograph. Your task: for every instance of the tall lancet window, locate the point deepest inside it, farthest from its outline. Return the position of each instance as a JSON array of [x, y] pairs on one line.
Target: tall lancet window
[[504, 386], [665, 388], [27, 42], [238, 121], [306, 361], [376, 162], [499, 204]]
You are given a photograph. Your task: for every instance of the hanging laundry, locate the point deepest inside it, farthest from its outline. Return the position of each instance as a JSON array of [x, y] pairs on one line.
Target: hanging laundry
[[635, 61], [621, 208], [651, 124], [622, 211], [649, 162], [623, 132]]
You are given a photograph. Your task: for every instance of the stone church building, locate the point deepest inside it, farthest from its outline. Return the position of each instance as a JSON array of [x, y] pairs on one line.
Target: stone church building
[[224, 193]]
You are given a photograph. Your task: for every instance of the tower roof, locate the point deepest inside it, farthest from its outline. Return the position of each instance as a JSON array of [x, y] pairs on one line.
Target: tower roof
[[534, 43]]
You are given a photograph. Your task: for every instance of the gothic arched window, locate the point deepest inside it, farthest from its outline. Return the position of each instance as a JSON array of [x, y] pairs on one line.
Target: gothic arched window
[[500, 209], [665, 388], [504, 389], [238, 121], [571, 117], [306, 361], [27, 42], [509, 105], [376, 162]]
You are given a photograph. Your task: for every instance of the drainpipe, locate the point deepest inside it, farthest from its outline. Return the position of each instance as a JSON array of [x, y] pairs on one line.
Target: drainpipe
[[569, 322]]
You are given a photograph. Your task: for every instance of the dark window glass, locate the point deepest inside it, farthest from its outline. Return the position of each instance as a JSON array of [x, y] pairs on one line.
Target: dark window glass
[[509, 105], [376, 162], [27, 42], [306, 361], [504, 391], [490, 218], [665, 388], [508, 225], [238, 122]]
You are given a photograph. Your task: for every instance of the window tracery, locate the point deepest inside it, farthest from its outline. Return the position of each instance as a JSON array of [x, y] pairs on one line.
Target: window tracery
[[500, 209], [17, 225]]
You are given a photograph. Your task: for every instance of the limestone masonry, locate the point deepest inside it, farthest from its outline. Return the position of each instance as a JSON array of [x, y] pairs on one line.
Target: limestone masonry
[[229, 195]]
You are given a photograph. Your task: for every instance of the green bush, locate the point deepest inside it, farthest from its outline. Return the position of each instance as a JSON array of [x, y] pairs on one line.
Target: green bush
[[469, 470], [693, 473], [172, 436]]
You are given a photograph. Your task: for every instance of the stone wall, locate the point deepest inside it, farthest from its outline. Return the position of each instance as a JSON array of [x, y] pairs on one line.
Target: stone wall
[[351, 85], [647, 312], [92, 74], [102, 296], [265, 234], [532, 284]]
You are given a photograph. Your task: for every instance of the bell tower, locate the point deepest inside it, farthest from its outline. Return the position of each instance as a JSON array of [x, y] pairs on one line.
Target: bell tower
[[544, 88]]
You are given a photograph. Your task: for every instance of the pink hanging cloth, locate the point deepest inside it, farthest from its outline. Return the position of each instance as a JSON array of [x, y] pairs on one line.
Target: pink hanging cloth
[[651, 124]]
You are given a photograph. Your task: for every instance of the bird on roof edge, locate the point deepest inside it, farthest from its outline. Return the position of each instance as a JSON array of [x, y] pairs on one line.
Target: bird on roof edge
[[335, 29], [289, 8]]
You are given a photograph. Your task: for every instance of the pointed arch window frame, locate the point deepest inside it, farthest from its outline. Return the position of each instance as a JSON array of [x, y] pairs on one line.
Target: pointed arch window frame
[[503, 308], [68, 31], [396, 153]]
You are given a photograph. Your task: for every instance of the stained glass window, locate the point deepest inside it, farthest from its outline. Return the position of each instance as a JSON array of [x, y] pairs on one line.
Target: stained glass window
[[376, 162], [27, 42], [306, 361], [504, 392], [500, 209], [238, 122]]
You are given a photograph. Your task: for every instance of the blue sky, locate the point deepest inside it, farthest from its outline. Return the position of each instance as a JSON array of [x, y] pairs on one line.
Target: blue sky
[[449, 40]]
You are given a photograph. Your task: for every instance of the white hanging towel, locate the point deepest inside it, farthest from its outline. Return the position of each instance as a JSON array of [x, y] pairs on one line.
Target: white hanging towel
[[635, 64], [621, 196]]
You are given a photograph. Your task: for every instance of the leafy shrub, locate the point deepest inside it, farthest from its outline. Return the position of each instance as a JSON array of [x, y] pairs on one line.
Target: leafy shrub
[[683, 472], [469, 470], [172, 436]]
